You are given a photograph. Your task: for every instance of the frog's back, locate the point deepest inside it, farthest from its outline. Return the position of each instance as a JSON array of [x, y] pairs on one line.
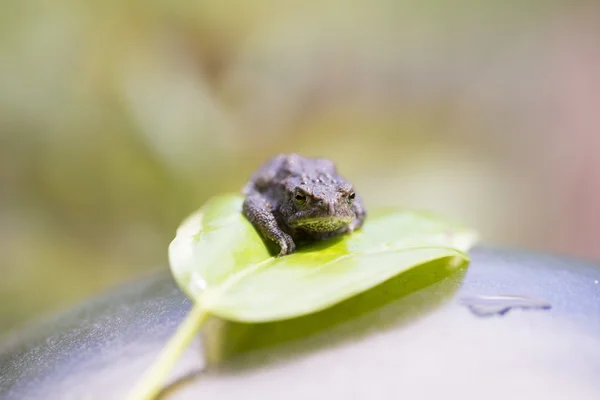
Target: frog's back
[[285, 171], [294, 166]]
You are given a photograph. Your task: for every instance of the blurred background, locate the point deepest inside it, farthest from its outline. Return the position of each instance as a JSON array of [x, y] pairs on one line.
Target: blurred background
[[119, 118]]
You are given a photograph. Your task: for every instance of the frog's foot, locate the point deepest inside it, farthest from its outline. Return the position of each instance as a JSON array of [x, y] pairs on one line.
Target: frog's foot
[[356, 224], [286, 243]]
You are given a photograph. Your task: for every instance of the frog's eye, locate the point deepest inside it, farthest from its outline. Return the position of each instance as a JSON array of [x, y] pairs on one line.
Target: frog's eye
[[351, 197], [300, 198]]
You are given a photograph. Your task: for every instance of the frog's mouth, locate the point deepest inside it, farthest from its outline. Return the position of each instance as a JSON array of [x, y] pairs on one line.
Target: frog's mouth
[[323, 224]]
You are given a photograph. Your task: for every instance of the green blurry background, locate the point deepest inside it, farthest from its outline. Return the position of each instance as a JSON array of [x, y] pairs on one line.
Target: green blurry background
[[119, 118]]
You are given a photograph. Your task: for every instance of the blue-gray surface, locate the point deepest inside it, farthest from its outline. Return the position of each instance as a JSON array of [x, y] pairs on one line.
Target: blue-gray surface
[[423, 345]]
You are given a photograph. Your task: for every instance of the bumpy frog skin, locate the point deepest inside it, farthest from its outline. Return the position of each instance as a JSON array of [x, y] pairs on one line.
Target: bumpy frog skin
[[292, 198]]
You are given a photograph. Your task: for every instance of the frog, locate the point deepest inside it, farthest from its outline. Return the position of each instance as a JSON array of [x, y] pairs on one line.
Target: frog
[[292, 198]]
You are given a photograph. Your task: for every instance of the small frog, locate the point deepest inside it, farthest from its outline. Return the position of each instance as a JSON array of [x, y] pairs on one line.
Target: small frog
[[294, 198]]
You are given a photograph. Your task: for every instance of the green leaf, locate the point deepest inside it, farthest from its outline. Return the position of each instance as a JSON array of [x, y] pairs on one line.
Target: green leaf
[[221, 262]]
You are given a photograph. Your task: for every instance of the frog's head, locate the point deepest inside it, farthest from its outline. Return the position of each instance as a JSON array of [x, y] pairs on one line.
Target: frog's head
[[320, 206]]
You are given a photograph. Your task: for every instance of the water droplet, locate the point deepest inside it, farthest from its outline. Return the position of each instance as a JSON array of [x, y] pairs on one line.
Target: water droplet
[[197, 283], [485, 306]]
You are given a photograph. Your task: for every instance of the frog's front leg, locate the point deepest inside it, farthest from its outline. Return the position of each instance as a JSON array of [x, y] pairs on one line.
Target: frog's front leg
[[259, 212], [361, 214]]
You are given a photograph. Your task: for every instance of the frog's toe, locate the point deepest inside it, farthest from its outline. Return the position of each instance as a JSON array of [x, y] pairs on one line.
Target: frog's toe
[[355, 225], [287, 245]]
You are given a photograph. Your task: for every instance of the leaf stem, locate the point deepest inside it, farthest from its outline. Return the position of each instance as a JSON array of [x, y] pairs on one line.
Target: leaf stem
[[150, 385]]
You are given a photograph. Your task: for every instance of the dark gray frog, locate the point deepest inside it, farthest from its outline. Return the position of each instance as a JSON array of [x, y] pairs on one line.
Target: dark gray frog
[[293, 198]]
